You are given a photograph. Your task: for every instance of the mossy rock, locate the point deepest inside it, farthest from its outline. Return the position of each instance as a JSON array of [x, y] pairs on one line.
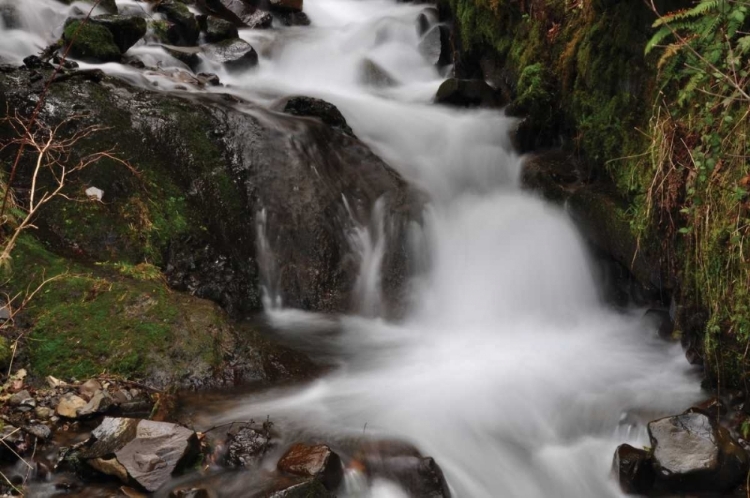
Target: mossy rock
[[92, 42], [218, 29], [123, 320], [126, 30], [184, 29]]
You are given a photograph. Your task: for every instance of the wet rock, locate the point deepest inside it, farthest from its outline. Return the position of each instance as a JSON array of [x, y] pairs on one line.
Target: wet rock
[[633, 469], [402, 463], [258, 20], [184, 29], [219, 30], [92, 42], [468, 93], [149, 452], [285, 5], [372, 74], [308, 489], [316, 461], [692, 452], [247, 446], [326, 112], [435, 46], [69, 405], [91, 386], [186, 55], [31, 62], [293, 18], [209, 79], [662, 321], [126, 30], [236, 54]]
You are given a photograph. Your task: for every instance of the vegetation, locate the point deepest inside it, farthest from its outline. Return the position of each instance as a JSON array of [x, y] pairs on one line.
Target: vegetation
[[662, 114]]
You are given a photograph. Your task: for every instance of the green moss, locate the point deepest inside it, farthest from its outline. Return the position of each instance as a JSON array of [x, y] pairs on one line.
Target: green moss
[[90, 321], [5, 353], [91, 42]]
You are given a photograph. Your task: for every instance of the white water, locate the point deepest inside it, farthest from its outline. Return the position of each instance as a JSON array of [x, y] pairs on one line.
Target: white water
[[507, 369]]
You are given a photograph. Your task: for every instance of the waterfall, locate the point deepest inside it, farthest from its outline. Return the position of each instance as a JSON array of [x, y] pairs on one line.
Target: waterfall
[[266, 264]]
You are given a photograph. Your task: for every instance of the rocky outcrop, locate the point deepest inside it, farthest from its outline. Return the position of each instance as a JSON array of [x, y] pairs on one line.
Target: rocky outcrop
[[207, 172], [691, 452]]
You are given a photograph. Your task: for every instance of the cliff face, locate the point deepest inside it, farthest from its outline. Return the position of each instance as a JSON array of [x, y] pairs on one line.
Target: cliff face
[[650, 111]]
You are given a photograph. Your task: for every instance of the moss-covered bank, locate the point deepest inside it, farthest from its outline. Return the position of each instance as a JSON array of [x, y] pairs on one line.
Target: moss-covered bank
[[662, 134]]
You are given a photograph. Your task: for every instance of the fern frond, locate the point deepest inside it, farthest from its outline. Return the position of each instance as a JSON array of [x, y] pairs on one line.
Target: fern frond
[[702, 8], [670, 51]]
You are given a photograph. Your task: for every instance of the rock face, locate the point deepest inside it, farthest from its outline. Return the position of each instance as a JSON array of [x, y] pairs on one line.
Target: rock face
[[316, 461], [239, 183], [145, 451], [633, 470], [235, 54], [694, 453]]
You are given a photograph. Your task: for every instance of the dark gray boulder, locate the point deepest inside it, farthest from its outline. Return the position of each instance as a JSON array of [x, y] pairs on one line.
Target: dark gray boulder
[[247, 446], [235, 54], [691, 452], [633, 470]]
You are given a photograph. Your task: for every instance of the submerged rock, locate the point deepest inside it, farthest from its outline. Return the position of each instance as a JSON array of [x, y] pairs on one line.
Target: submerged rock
[[468, 93], [372, 74], [235, 54], [247, 446], [258, 20], [316, 461], [691, 452], [633, 469]]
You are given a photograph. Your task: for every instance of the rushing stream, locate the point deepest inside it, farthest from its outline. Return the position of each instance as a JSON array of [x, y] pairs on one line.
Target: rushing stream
[[507, 368]]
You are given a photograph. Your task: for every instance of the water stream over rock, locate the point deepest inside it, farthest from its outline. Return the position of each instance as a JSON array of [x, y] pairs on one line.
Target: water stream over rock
[[507, 367]]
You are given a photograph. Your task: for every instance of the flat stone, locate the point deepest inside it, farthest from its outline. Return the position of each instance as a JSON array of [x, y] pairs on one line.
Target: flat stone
[[154, 453], [69, 405], [112, 434]]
